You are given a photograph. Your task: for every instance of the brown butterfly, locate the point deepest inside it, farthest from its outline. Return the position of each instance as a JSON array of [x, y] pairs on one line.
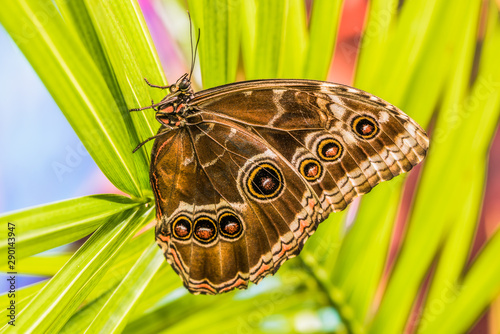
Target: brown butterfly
[[243, 173]]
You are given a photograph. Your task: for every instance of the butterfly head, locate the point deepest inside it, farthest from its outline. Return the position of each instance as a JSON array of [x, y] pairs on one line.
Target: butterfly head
[[182, 86]]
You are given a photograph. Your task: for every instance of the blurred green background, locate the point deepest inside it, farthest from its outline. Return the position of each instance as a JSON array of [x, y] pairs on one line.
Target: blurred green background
[[419, 254]]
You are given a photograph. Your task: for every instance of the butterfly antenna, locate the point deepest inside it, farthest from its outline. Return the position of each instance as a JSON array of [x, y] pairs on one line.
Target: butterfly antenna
[[195, 52], [191, 38]]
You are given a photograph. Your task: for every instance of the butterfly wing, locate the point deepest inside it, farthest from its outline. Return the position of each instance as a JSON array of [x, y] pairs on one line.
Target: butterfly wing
[[258, 167], [235, 209], [309, 104], [373, 140]]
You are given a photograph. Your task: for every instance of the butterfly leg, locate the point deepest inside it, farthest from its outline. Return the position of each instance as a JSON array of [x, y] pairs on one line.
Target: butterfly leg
[[155, 86], [155, 108], [150, 138]]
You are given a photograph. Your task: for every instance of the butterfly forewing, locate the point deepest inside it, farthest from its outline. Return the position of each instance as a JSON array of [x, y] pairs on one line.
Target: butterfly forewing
[[259, 164]]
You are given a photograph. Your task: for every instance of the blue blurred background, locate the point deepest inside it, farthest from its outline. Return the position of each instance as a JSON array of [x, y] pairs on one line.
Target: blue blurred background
[[42, 158]]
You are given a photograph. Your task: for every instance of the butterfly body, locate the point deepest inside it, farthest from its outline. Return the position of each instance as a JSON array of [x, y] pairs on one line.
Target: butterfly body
[[243, 173]]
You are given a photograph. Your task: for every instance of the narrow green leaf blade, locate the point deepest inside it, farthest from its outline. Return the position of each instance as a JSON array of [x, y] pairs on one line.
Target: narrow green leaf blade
[[113, 316], [372, 50], [23, 297], [325, 19], [57, 301], [96, 299], [294, 48], [270, 18], [48, 226], [77, 18], [46, 265], [464, 302], [78, 87], [433, 216], [363, 255], [486, 96], [248, 39], [219, 40], [132, 56]]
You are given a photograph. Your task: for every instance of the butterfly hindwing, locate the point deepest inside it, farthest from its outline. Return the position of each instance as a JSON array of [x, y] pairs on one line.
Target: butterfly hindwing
[[232, 172]]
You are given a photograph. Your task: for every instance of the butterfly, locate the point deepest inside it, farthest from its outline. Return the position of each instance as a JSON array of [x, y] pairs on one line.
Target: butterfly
[[243, 173]]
